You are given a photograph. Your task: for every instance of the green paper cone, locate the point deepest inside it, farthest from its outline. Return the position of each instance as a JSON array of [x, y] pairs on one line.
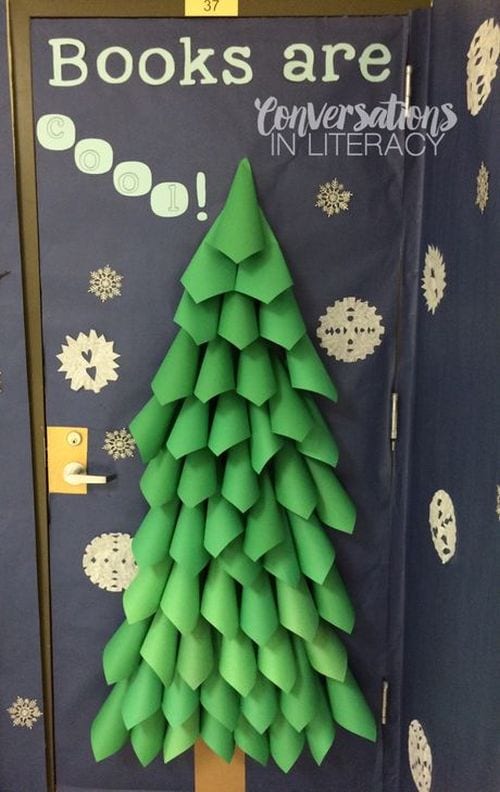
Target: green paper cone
[[159, 481], [319, 443], [230, 423], [237, 664], [289, 414], [335, 508], [265, 527], [307, 371], [263, 443], [327, 653], [238, 320], [122, 652], [240, 485], [220, 700], [295, 489], [281, 561], [314, 550], [181, 599], [176, 376], [285, 743], [142, 597], [216, 373], [179, 702], [143, 696], [159, 649], [222, 526], [259, 617], [320, 732], [300, 705], [179, 738], [108, 732], [238, 232], [196, 656], [237, 563], [217, 737], [190, 430], [349, 707], [209, 273], [333, 602], [297, 610], [255, 745], [256, 380], [266, 274], [147, 738], [198, 478], [219, 604], [150, 426], [151, 543], [260, 707], [277, 661], [200, 319], [187, 544], [280, 321]]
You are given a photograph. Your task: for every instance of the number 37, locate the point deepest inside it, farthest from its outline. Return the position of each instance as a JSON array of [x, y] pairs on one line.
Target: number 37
[[209, 6]]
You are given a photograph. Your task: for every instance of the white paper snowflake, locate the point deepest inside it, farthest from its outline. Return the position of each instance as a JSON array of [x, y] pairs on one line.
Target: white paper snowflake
[[482, 60], [89, 362], [333, 198], [420, 757], [482, 187], [105, 283], [24, 712], [443, 525], [434, 278], [119, 444], [108, 561], [350, 330]]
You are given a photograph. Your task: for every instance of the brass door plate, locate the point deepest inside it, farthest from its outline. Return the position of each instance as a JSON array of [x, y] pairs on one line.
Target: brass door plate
[[65, 444]]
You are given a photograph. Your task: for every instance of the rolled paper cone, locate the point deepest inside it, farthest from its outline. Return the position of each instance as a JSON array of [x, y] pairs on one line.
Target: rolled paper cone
[[219, 739], [187, 547], [295, 488], [314, 550], [179, 701], [277, 661], [237, 563], [335, 508], [237, 664], [151, 543], [297, 611], [290, 416], [216, 373], [190, 430], [108, 733], [209, 273], [179, 738], [260, 707], [238, 320], [230, 424], [285, 743], [121, 654], [307, 371], [220, 700], [159, 649], [263, 443], [349, 707], [238, 231], [319, 443], [223, 524], [255, 745], [240, 485], [143, 696], [320, 731], [259, 617], [265, 527], [176, 376], [195, 660], [150, 426], [282, 561], [181, 599], [200, 319], [266, 274], [256, 380], [300, 705], [327, 653], [333, 602], [280, 321], [219, 604], [198, 480], [147, 738], [159, 481], [142, 597]]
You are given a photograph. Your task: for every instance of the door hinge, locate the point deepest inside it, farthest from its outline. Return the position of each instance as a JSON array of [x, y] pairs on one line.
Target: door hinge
[[394, 419], [385, 702], [408, 76]]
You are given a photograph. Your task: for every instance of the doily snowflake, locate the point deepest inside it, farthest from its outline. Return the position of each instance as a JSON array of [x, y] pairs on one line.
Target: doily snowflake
[[333, 198], [89, 362], [108, 561], [119, 444], [482, 187], [105, 283], [434, 278], [24, 712], [443, 525], [350, 330], [482, 60], [420, 757]]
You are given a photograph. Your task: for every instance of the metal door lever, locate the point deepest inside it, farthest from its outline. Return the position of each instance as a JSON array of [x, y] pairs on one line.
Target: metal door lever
[[75, 474]]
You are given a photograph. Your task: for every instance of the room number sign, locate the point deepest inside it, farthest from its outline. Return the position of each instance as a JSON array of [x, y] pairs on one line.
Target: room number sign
[[211, 8]]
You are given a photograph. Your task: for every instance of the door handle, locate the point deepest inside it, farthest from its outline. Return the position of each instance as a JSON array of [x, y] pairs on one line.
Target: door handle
[[75, 474]]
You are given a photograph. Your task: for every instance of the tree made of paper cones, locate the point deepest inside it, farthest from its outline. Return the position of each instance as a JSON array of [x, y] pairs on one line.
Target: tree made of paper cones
[[232, 623]]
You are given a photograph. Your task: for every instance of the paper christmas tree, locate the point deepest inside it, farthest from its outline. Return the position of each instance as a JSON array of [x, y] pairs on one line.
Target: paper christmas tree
[[232, 622]]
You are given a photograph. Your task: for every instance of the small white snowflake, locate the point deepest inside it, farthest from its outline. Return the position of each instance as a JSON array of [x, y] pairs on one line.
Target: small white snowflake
[[24, 712], [483, 187], [434, 278], [333, 198], [119, 444], [105, 283]]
